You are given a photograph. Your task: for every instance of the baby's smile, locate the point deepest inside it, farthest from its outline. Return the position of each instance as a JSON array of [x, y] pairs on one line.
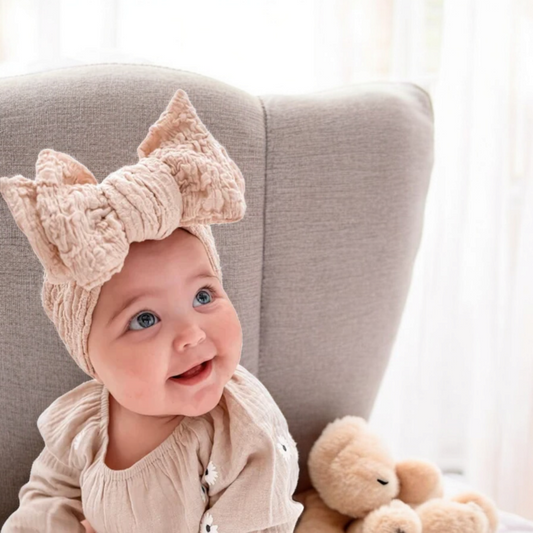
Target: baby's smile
[[193, 368], [195, 375]]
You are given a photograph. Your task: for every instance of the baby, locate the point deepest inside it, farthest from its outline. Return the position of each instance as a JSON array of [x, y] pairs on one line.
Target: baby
[[171, 434], [181, 318]]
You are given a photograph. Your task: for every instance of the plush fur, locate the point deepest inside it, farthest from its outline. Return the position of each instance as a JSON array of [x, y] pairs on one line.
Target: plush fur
[[359, 488]]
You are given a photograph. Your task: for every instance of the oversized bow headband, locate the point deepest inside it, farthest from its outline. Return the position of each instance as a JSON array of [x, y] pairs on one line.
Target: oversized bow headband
[[81, 229]]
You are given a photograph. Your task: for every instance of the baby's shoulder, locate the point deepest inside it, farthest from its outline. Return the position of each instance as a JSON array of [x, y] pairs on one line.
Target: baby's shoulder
[[73, 417]]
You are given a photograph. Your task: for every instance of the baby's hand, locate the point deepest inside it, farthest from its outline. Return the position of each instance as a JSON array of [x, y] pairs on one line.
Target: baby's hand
[[88, 527]]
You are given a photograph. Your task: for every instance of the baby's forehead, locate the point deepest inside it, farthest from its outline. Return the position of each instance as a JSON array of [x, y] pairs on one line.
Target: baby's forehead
[[181, 249], [157, 264], [158, 273]]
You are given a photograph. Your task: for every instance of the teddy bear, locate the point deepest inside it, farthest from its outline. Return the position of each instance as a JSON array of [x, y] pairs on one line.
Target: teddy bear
[[357, 487]]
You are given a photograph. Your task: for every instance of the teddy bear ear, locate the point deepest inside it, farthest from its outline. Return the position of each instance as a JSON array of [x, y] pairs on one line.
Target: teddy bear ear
[[343, 430], [179, 124]]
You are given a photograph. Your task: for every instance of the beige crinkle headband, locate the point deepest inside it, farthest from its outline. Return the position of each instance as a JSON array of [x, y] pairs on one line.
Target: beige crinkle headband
[[81, 230]]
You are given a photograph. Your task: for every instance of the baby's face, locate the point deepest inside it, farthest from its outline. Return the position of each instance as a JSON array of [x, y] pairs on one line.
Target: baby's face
[[176, 324]]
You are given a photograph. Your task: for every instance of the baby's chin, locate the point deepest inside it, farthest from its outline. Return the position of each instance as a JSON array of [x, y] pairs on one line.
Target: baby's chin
[[194, 399], [174, 408], [202, 393], [203, 402]]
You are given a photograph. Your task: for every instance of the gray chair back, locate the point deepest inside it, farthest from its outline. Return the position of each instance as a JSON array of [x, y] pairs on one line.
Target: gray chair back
[[318, 269]]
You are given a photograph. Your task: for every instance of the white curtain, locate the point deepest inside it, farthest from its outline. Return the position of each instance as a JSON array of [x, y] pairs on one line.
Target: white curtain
[[459, 388]]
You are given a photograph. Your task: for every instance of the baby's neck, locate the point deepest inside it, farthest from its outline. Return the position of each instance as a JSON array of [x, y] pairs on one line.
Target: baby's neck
[[132, 436], [123, 415]]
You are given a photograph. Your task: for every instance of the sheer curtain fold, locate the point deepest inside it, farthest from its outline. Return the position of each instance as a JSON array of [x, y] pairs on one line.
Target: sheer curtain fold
[[470, 310], [513, 469]]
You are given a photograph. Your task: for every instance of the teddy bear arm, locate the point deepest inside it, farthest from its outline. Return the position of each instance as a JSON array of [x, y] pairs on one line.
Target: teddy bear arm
[[317, 517]]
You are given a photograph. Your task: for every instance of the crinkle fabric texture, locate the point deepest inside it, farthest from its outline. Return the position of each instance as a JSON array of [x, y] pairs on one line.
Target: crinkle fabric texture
[[231, 470], [81, 229]]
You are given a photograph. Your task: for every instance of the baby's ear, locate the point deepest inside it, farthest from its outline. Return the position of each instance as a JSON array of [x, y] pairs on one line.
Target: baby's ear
[[178, 125], [57, 167]]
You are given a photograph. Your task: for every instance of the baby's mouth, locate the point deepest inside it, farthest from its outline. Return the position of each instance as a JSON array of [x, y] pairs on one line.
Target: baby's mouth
[[192, 372]]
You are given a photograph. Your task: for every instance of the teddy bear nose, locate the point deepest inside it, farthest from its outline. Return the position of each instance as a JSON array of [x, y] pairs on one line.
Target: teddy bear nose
[[383, 482]]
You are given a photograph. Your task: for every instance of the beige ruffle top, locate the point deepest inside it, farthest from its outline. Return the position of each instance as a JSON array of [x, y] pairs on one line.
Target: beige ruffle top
[[232, 470]]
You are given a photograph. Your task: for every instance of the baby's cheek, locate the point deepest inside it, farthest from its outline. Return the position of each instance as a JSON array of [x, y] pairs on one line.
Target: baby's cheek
[[233, 331], [229, 334]]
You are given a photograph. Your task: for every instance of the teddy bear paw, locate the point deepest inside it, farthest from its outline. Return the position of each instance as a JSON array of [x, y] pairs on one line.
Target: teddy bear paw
[[445, 516], [396, 517]]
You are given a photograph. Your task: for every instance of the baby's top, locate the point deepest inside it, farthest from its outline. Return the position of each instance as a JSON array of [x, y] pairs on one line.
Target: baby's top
[[231, 470]]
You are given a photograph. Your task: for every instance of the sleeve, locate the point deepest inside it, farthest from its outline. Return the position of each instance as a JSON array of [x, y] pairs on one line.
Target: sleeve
[[50, 502], [250, 479]]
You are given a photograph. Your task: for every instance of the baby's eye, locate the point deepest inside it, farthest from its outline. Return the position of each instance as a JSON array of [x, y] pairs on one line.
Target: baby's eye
[[203, 298], [145, 318]]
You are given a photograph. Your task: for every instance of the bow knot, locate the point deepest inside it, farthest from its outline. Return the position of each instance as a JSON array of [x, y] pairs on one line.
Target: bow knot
[[81, 229]]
